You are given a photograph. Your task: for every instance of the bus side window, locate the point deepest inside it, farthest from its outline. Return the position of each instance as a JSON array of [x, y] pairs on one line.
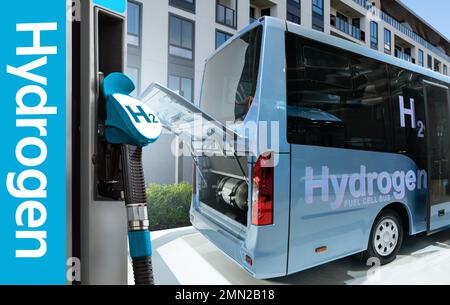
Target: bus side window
[[335, 98], [408, 140], [371, 115]]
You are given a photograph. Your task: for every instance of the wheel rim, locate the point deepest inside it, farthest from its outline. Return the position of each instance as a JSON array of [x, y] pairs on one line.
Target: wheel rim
[[386, 237]]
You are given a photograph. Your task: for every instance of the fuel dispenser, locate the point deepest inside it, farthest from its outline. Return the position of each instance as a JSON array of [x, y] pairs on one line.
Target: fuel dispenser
[[99, 216], [109, 129]]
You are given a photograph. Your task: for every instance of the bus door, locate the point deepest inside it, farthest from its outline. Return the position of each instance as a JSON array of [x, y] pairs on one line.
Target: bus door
[[438, 132]]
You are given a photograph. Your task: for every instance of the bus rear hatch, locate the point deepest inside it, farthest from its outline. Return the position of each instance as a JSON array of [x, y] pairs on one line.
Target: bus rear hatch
[[220, 155]]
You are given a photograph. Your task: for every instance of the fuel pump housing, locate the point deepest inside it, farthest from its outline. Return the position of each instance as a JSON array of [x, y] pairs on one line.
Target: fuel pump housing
[[99, 220]]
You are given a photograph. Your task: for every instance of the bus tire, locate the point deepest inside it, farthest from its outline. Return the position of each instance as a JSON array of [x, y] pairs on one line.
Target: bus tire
[[385, 240]]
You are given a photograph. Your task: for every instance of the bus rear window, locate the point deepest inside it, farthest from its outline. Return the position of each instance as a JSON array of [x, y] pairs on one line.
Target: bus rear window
[[231, 78]]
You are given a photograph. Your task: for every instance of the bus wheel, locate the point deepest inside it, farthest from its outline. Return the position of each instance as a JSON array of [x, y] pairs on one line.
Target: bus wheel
[[386, 238]]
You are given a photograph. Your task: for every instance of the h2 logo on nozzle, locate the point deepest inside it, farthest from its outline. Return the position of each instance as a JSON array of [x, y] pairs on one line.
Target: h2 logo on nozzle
[[147, 125], [148, 117]]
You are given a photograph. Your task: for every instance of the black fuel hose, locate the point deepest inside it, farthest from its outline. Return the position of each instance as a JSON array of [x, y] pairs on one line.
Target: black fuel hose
[[138, 223]]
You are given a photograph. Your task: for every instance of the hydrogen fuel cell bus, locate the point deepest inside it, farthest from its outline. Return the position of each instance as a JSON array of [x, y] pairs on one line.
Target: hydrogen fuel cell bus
[[362, 154]]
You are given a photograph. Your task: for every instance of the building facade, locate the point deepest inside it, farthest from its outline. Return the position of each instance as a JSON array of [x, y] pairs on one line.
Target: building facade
[[169, 40]]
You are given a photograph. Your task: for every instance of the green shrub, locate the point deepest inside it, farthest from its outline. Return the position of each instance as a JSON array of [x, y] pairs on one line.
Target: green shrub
[[168, 206]]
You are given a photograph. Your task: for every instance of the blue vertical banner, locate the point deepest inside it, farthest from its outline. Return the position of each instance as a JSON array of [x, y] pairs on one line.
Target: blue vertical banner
[[33, 142]]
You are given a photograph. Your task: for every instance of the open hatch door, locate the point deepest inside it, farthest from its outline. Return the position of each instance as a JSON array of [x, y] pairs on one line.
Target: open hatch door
[[204, 135]]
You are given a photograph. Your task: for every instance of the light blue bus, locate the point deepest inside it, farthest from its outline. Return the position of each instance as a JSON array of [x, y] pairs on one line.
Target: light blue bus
[[362, 154]]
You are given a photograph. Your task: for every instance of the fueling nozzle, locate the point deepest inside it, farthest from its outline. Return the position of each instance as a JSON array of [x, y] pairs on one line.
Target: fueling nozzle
[[131, 124]]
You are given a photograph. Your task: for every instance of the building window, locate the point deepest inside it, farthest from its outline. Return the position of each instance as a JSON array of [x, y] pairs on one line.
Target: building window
[[317, 7], [293, 11], [387, 41], [374, 35], [317, 15], [430, 62], [221, 38], [445, 70], [181, 85], [342, 17], [187, 5], [266, 12], [134, 23], [437, 65], [226, 12], [252, 14], [181, 37], [421, 59]]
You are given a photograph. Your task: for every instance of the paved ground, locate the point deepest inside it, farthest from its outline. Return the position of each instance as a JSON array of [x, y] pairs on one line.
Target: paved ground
[[183, 256]]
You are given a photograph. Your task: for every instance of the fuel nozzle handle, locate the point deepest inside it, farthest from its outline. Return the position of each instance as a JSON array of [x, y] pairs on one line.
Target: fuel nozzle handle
[[133, 125]]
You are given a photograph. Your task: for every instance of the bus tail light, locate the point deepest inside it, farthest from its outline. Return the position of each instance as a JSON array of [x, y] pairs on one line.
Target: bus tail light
[[262, 196]]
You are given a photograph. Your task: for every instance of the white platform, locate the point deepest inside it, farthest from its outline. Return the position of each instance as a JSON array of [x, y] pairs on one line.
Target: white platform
[[183, 256]]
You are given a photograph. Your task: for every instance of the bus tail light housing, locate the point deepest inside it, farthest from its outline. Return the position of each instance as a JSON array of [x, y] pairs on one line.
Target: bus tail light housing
[[262, 196]]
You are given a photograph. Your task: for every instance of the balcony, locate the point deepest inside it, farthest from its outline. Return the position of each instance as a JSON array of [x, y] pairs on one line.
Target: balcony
[[403, 56], [402, 28], [225, 15], [347, 28]]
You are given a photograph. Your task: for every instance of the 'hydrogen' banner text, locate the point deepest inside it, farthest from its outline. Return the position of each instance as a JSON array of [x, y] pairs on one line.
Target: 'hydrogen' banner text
[[33, 142]]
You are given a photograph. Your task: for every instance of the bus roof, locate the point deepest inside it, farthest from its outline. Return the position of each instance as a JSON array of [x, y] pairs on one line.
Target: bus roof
[[336, 42]]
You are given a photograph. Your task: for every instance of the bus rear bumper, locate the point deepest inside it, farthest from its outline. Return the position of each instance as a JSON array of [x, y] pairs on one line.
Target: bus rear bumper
[[227, 242], [232, 245]]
